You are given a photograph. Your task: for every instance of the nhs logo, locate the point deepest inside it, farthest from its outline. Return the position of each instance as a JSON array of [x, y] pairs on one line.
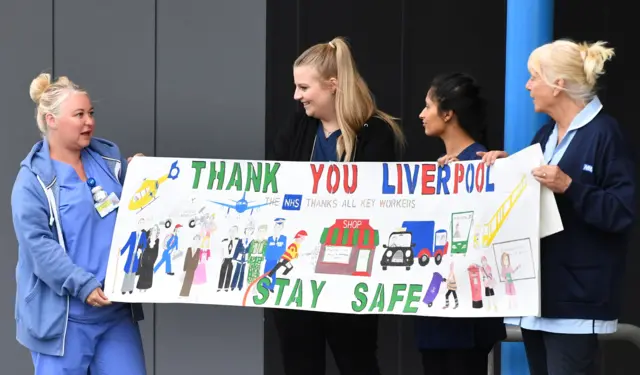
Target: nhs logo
[[292, 202], [587, 168]]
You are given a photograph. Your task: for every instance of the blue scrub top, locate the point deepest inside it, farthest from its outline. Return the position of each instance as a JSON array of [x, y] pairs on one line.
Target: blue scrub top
[[87, 235], [325, 149]]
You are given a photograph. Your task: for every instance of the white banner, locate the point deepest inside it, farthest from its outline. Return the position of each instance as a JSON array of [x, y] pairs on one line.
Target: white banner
[[364, 238]]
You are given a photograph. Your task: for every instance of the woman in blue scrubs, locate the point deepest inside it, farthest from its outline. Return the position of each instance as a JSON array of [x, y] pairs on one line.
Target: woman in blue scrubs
[[455, 112], [62, 314]]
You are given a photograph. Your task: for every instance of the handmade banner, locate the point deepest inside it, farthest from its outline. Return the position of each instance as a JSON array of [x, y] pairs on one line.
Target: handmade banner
[[362, 238]]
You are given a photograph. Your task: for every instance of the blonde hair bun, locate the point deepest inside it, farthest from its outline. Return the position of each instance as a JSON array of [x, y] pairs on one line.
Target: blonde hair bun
[[594, 57], [38, 86]]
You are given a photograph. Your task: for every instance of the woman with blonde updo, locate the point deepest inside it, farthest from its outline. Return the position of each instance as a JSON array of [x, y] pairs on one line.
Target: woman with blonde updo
[[62, 315], [339, 122], [589, 168]]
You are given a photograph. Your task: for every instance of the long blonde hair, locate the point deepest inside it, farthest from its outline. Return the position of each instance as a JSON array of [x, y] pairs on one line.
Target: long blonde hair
[[353, 100]]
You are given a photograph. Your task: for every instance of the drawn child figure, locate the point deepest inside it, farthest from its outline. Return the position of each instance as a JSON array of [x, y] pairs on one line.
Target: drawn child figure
[[229, 248], [489, 284], [507, 274], [290, 254], [171, 246], [275, 248], [256, 254], [452, 287], [207, 229], [240, 256]]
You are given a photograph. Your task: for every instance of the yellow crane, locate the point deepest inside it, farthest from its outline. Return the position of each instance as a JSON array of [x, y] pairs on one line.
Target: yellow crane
[[491, 228]]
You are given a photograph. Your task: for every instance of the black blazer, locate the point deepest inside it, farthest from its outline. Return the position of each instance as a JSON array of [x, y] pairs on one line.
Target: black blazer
[[294, 141]]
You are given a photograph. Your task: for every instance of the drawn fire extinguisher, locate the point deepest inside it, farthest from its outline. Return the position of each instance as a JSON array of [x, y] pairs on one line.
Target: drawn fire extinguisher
[[476, 286]]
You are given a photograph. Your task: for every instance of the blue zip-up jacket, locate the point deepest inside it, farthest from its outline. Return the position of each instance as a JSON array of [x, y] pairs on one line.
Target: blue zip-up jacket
[[583, 266], [46, 276]]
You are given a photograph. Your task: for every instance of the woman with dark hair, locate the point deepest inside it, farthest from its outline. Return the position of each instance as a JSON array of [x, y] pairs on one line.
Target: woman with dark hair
[[455, 112]]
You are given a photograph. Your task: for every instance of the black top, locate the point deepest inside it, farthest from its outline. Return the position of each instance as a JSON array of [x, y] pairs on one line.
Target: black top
[[294, 141]]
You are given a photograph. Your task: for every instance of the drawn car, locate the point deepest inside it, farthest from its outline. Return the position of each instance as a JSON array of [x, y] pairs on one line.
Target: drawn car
[[399, 250]]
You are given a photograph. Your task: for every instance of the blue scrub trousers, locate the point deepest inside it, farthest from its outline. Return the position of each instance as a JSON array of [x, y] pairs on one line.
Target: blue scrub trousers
[[109, 348]]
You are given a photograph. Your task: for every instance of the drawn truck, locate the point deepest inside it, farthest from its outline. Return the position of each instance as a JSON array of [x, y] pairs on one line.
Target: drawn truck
[[429, 243], [416, 239]]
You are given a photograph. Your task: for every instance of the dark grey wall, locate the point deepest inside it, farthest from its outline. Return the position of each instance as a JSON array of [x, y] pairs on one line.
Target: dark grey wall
[[167, 78]]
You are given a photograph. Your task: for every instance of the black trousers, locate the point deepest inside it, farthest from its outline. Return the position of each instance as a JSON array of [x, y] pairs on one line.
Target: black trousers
[[473, 361], [561, 354], [305, 334]]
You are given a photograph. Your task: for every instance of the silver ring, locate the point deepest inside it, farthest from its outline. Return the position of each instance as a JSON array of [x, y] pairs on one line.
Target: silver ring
[[95, 305]]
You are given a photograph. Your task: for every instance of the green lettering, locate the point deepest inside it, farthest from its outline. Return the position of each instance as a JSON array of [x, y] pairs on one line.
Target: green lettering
[[395, 296], [197, 165], [358, 292], [254, 177], [262, 291], [236, 177], [213, 175], [281, 283], [296, 295], [316, 290], [270, 178], [413, 289], [378, 299]]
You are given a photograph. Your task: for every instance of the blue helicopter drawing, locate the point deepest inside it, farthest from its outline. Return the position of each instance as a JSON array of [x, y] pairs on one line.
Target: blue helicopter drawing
[[240, 205]]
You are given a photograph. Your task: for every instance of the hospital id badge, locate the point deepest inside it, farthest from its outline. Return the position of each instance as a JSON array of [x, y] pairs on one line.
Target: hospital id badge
[[106, 206]]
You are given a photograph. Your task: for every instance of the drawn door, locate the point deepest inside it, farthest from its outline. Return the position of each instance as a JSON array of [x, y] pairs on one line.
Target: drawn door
[[362, 263]]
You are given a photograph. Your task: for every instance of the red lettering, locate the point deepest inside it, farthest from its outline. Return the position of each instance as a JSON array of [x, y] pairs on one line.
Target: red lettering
[[316, 171], [333, 174], [350, 187], [480, 177], [399, 168], [458, 178], [428, 171]]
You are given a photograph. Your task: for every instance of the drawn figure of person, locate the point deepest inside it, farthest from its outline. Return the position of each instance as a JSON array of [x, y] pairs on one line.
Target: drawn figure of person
[[452, 287], [148, 259], [191, 261], [256, 254], [229, 248], [135, 244], [489, 283], [507, 274], [171, 246], [207, 229], [290, 254], [240, 256], [275, 248], [456, 234]]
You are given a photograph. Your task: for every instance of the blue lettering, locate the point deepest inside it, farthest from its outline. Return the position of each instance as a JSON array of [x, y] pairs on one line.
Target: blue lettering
[[444, 174], [386, 188], [490, 186], [412, 178], [469, 180]]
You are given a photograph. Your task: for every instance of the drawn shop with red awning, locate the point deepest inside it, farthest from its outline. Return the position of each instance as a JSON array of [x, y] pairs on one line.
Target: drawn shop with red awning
[[347, 248]]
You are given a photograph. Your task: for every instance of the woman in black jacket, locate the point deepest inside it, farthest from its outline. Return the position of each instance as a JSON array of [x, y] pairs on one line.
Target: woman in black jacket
[[340, 122]]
